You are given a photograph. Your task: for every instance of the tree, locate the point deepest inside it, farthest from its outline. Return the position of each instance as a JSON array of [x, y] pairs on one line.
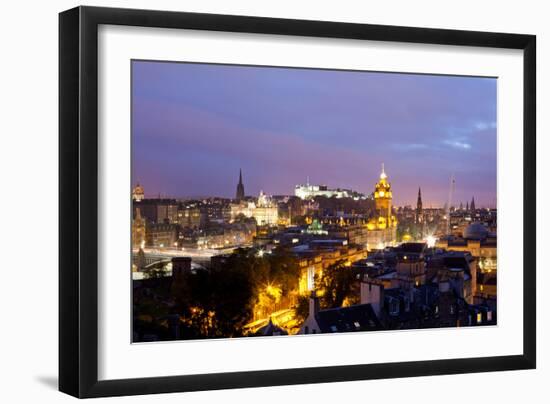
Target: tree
[[284, 270], [217, 302], [301, 310], [221, 300], [233, 300], [336, 285]]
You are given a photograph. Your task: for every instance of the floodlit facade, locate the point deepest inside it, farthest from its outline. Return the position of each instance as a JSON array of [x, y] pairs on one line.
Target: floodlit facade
[[382, 228], [264, 210], [309, 191]]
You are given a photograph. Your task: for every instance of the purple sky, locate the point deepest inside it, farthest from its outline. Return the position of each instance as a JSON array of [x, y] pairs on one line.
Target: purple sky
[[195, 125]]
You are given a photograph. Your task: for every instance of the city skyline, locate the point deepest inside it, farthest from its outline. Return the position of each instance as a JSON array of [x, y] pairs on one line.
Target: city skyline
[[306, 182], [196, 125]]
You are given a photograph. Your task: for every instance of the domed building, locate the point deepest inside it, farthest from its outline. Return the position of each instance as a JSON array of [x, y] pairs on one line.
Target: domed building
[[264, 210], [482, 245], [382, 227], [137, 193]]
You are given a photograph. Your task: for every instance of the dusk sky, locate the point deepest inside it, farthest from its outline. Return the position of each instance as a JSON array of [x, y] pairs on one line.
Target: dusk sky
[[195, 125]]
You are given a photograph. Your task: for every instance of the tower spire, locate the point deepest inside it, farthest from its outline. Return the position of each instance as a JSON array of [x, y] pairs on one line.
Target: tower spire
[[239, 195], [383, 173], [419, 215]]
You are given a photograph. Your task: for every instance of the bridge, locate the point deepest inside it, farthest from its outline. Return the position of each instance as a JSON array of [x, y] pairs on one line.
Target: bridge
[[156, 256]]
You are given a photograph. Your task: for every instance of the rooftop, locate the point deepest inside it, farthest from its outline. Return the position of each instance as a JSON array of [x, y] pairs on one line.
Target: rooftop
[[359, 317]]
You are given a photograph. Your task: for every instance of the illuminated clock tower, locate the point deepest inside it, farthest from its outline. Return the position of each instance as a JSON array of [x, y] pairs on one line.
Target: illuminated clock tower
[[383, 197], [382, 226]]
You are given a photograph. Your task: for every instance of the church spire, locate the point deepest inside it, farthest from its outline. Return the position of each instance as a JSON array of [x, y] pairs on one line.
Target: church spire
[[473, 205], [239, 195], [419, 207]]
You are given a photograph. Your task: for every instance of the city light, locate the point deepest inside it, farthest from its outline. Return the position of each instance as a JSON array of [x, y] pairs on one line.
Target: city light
[[350, 252], [321, 241], [431, 240]]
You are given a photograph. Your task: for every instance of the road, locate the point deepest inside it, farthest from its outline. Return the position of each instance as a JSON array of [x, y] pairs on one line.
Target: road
[[282, 318]]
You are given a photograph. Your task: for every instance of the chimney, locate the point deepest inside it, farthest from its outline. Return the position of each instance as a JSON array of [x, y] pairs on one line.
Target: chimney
[[372, 292]]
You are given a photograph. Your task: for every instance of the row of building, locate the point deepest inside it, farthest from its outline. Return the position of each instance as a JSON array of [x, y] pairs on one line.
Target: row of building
[[448, 279], [410, 287], [163, 222]]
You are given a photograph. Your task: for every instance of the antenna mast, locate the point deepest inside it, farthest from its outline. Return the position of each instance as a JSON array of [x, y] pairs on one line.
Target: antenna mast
[[449, 201]]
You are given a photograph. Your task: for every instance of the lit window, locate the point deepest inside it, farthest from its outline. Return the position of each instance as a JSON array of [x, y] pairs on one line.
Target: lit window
[[479, 318]]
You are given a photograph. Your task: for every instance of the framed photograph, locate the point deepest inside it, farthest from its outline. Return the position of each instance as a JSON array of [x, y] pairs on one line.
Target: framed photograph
[[251, 201]]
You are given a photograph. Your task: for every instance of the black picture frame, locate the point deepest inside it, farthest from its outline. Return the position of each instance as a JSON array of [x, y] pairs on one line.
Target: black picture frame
[[78, 201]]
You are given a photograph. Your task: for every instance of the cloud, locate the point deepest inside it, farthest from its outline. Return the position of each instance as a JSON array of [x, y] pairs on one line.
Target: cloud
[[181, 136], [195, 126], [485, 125], [458, 144]]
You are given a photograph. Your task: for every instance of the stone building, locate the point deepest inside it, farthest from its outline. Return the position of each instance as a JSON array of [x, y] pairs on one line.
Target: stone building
[[162, 235], [158, 210], [264, 210], [138, 230]]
